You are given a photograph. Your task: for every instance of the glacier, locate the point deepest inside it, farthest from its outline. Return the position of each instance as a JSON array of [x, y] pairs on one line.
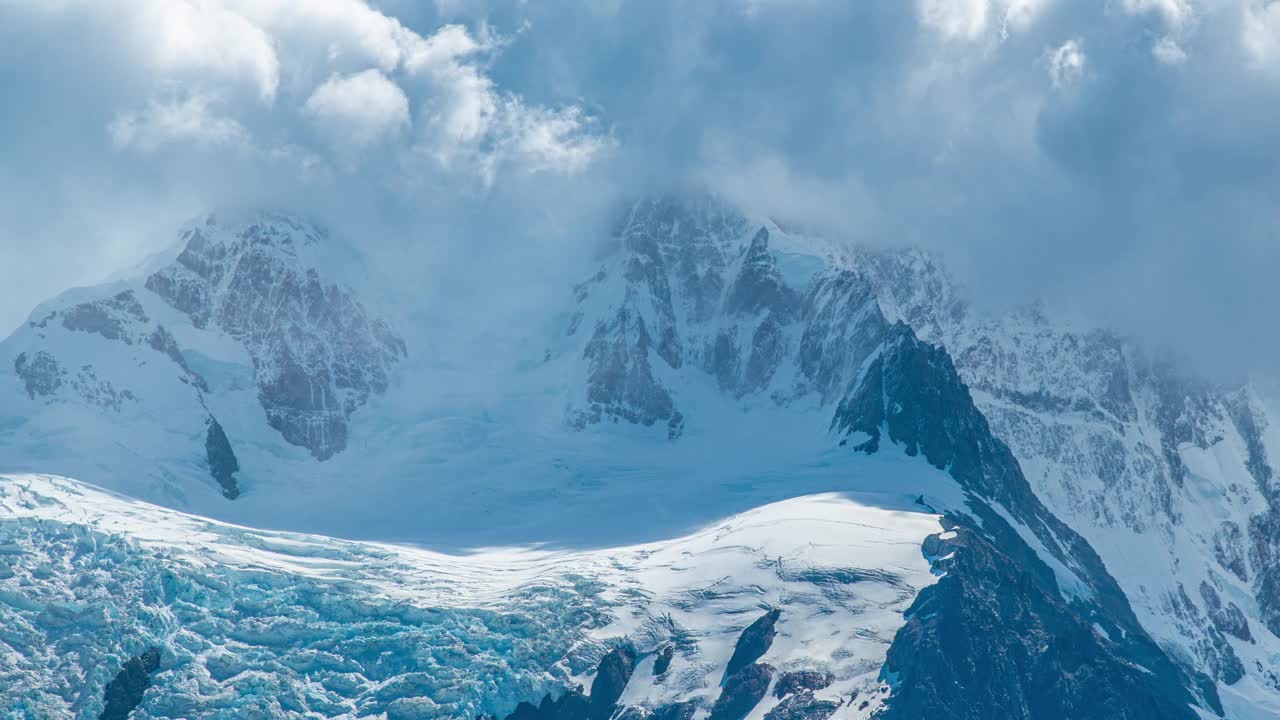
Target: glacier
[[256, 623]]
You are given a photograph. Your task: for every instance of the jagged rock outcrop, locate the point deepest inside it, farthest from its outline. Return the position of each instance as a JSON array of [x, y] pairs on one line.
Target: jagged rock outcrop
[[40, 373], [800, 681], [317, 353], [669, 276], [999, 600], [124, 693], [843, 327], [692, 288], [663, 661], [676, 711], [803, 706], [1213, 647], [754, 642], [113, 318], [223, 464], [990, 640], [620, 381], [43, 376], [743, 690], [612, 676]]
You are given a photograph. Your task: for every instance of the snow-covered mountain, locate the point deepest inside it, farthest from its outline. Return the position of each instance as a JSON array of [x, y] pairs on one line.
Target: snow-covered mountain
[[1028, 519], [1166, 474], [247, 315]]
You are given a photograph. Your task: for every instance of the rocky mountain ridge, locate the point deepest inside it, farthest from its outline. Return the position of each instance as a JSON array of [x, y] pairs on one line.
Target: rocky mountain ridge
[[1154, 467]]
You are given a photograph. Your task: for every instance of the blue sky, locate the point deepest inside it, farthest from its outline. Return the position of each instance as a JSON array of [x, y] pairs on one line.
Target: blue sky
[[1118, 157]]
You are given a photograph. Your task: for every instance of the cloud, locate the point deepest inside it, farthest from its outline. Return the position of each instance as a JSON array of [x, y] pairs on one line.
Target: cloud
[[1260, 33], [955, 18], [1115, 157], [177, 120], [1176, 13], [970, 19], [1066, 63], [1167, 50], [360, 108]]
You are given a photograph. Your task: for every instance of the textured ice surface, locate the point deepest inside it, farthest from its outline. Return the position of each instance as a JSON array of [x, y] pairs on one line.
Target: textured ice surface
[[277, 625]]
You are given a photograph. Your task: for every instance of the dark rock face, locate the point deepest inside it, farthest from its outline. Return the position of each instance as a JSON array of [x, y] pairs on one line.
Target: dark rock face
[[689, 293], [573, 705], [676, 711], [620, 381], [844, 326], [162, 341], [317, 354], [989, 640], [1228, 549], [803, 706], [743, 690], [223, 464], [692, 289], [41, 374], [796, 682], [912, 391], [1264, 554], [757, 295], [124, 693], [688, 237], [663, 662], [111, 318], [754, 642], [672, 273], [611, 679], [995, 636], [612, 675], [1213, 646], [759, 286]]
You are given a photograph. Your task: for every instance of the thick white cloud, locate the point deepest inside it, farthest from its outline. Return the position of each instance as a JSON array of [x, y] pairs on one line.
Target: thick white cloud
[[182, 39], [1025, 138], [358, 109], [314, 58]]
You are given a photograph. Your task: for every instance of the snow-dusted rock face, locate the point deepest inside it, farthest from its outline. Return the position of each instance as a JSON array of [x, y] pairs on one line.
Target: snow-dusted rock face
[[150, 378], [1168, 475], [317, 355], [695, 287]]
